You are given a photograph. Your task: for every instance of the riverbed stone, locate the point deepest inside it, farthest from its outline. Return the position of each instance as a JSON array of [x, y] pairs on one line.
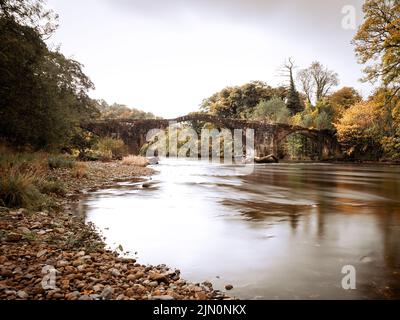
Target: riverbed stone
[[98, 288], [73, 295], [162, 298], [41, 253], [13, 237], [115, 272], [159, 278], [24, 230], [22, 294], [107, 293]]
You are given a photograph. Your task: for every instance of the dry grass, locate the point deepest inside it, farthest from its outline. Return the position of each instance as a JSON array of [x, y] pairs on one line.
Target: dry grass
[[18, 189], [24, 177], [20, 173], [135, 161], [80, 170]]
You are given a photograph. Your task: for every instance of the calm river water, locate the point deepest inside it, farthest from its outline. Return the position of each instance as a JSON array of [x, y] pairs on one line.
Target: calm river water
[[284, 231]]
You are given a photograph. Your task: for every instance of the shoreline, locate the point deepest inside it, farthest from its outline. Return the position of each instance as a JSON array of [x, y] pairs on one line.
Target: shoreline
[[54, 255]]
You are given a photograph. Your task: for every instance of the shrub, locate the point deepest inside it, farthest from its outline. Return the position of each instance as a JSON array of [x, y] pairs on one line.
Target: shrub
[[135, 161], [19, 173], [111, 148], [60, 162], [83, 142], [52, 187]]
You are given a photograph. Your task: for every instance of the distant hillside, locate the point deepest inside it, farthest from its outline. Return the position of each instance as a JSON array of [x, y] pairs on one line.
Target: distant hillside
[[120, 111]]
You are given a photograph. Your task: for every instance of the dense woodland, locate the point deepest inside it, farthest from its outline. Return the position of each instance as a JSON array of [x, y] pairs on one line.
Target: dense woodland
[[44, 96]]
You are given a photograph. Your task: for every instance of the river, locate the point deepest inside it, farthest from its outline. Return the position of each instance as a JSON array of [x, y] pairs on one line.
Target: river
[[284, 231]]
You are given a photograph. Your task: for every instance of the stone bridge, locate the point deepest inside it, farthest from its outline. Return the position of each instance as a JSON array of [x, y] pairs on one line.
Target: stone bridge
[[268, 137]]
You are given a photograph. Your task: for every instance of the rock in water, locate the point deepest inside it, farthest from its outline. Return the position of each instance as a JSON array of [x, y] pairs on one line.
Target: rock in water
[[268, 159]]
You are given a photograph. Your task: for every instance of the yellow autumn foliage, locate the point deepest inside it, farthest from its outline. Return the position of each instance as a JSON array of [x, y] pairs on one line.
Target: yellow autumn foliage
[[358, 129]]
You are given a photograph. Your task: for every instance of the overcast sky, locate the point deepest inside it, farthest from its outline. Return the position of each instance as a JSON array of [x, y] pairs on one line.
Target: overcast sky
[[166, 56]]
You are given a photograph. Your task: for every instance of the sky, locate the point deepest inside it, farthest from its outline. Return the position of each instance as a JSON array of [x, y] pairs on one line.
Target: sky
[[165, 57]]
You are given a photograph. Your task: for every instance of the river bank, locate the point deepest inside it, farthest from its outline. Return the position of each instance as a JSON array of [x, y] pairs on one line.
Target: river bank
[[54, 255]]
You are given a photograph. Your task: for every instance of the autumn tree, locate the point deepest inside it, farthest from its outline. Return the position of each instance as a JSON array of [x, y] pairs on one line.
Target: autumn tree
[[391, 142], [389, 106], [378, 42], [343, 99], [317, 81], [377, 45], [359, 131]]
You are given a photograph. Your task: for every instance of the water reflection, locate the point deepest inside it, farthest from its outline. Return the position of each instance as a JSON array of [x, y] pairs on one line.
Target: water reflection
[[284, 231]]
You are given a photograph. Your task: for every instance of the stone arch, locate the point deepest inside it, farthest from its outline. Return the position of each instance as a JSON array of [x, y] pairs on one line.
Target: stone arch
[[267, 136]]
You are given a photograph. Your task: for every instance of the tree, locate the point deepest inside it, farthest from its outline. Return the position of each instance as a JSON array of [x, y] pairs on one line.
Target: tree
[[343, 99], [240, 102], [378, 41], [120, 111], [359, 131], [391, 143], [43, 95], [30, 13], [274, 111], [293, 101], [389, 106], [307, 84], [319, 117], [21, 54], [317, 81]]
